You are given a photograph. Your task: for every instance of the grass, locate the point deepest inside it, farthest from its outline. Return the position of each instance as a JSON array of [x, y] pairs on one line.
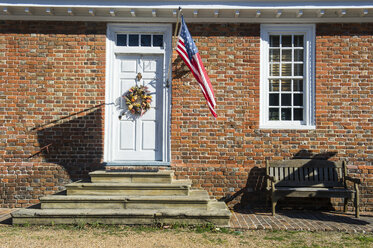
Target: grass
[[178, 235]]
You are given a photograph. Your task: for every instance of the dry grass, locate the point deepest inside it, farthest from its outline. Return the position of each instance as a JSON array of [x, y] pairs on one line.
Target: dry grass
[[122, 236]]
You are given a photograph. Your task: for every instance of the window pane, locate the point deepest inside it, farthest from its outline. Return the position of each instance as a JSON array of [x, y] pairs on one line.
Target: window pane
[[121, 40], [274, 70], [298, 114], [298, 99], [286, 41], [146, 40], [274, 85], [274, 41], [286, 114], [298, 40], [158, 40], [297, 85], [286, 85], [274, 55], [298, 70], [286, 70], [285, 99], [133, 40], [298, 55], [273, 99], [273, 114], [286, 55]]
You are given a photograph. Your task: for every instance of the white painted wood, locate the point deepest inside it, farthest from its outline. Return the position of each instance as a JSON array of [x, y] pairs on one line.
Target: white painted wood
[[125, 11], [151, 131], [309, 69], [190, 4], [137, 137]]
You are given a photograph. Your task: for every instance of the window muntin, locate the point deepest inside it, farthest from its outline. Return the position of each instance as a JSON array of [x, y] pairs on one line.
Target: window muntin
[[286, 63], [140, 40], [287, 66]]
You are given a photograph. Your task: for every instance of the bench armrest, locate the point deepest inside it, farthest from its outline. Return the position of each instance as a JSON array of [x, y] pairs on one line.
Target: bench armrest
[[271, 178], [354, 180]]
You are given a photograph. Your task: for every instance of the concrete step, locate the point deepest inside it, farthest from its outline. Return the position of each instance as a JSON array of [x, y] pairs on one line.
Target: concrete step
[[179, 187], [217, 214], [163, 176], [197, 199]]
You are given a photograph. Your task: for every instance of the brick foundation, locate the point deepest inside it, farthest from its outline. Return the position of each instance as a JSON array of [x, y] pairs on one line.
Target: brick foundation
[[52, 83]]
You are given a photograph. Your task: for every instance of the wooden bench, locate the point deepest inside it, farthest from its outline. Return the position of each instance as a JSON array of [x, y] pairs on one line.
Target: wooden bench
[[310, 178]]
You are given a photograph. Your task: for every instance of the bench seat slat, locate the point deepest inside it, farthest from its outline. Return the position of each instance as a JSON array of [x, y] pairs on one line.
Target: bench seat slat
[[307, 189]]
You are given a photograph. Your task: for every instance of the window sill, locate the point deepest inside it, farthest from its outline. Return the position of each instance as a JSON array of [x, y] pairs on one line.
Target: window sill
[[287, 126]]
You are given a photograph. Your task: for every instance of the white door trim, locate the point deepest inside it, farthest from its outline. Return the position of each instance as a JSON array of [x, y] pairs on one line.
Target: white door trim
[[111, 51]]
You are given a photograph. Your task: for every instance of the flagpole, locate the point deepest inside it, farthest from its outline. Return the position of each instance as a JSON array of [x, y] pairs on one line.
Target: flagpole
[[172, 47]]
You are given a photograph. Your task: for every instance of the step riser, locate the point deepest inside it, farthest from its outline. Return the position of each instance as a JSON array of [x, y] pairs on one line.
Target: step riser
[[82, 205], [127, 192], [124, 205], [122, 220], [123, 179]]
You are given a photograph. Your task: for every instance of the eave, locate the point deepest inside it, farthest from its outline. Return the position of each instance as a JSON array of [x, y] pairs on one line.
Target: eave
[[207, 11]]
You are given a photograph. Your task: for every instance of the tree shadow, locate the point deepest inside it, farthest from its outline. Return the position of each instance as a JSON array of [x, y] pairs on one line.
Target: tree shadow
[[76, 144]]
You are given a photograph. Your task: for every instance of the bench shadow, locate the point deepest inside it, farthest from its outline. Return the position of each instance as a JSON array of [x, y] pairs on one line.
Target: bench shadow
[[329, 217]]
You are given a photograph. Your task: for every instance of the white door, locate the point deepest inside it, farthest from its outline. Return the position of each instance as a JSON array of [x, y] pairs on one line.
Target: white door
[[135, 137]]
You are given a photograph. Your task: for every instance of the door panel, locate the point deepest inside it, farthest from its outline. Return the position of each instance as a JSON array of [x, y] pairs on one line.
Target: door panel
[[137, 137]]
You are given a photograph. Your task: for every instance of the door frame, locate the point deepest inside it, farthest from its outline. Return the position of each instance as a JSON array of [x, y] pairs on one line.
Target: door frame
[[111, 51]]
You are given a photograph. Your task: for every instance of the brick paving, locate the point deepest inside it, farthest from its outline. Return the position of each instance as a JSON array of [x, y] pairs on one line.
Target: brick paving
[[302, 221], [284, 220]]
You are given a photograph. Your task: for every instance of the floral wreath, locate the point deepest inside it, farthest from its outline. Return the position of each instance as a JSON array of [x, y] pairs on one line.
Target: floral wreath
[[138, 100]]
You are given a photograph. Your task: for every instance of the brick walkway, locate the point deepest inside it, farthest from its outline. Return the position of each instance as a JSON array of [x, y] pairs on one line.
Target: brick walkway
[[301, 220], [284, 220]]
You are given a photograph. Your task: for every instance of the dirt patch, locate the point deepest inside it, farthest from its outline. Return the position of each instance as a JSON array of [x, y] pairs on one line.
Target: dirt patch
[[144, 237]]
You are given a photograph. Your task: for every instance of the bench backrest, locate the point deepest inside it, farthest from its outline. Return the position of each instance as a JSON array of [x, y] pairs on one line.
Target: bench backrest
[[307, 173]]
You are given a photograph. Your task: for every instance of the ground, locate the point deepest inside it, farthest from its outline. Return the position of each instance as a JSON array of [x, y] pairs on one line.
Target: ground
[[171, 236]]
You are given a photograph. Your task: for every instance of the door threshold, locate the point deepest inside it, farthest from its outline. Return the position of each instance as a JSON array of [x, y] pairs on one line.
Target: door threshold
[[137, 163]]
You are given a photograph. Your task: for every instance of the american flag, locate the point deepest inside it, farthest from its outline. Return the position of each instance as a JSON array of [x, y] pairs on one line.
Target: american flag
[[188, 51]]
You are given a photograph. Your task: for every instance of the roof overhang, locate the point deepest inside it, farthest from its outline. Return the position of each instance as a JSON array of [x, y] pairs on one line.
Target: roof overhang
[[214, 11]]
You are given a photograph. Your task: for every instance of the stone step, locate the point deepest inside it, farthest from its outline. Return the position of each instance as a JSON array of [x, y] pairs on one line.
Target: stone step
[[197, 199], [162, 176], [179, 187], [217, 214]]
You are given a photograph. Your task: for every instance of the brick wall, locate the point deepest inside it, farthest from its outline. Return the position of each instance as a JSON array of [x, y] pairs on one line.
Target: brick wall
[[227, 155], [52, 82], [52, 87]]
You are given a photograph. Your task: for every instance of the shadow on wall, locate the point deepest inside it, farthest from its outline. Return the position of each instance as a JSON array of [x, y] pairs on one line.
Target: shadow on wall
[[254, 194], [76, 144]]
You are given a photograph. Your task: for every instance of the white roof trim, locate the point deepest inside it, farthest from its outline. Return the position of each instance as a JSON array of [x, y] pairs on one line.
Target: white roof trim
[[206, 11]]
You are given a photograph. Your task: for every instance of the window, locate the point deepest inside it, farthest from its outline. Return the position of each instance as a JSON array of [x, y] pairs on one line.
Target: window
[[286, 77], [143, 40]]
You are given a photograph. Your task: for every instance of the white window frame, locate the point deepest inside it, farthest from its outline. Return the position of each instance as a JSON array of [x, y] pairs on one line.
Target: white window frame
[[308, 30]]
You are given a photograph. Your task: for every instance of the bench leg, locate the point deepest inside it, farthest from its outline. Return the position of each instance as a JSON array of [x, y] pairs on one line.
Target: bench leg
[[345, 205], [357, 201], [273, 207]]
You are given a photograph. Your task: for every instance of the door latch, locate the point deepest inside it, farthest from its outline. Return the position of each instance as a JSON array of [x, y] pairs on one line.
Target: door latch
[[139, 76]]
